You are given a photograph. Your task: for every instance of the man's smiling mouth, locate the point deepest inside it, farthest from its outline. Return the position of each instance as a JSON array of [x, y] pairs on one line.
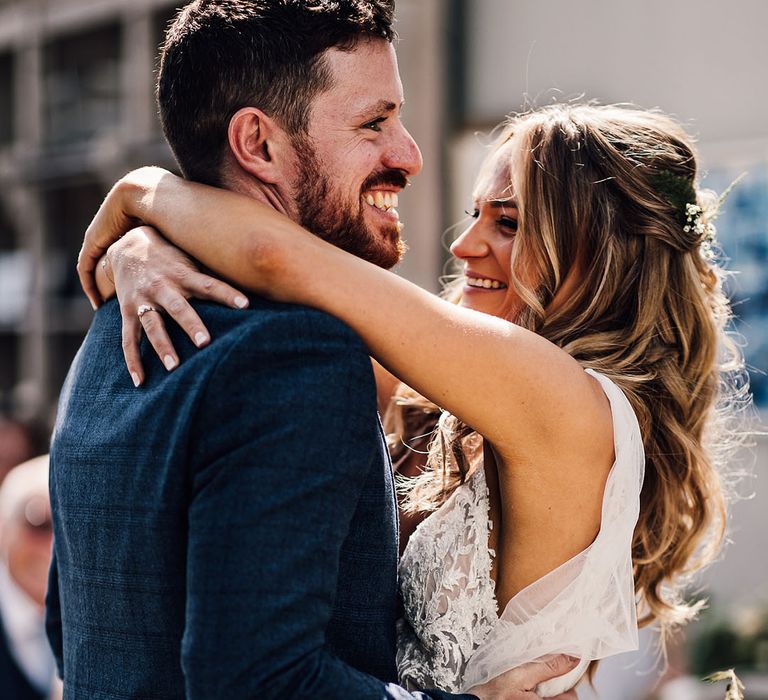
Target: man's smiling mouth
[[385, 201]]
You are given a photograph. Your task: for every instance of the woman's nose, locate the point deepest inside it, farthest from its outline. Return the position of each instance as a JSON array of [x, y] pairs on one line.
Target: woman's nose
[[470, 244]]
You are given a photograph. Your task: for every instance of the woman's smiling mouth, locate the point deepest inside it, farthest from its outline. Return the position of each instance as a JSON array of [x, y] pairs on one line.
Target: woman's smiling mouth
[[484, 283]]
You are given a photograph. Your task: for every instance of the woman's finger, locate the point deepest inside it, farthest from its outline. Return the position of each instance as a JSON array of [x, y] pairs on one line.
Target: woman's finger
[[115, 217], [107, 226], [131, 339], [153, 325], [86, 271], [204, 286], [181, 311]]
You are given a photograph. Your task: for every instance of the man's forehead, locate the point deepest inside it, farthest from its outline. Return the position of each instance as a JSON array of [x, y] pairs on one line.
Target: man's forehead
[[364, 79]]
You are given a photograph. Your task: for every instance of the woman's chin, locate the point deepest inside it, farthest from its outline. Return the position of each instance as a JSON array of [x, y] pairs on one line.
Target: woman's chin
[[489, 301]]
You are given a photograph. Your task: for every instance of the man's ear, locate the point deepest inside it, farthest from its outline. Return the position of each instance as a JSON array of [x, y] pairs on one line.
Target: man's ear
[[261, 147]]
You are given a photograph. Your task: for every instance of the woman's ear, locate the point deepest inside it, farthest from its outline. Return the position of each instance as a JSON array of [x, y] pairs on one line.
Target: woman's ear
[[259, 144]]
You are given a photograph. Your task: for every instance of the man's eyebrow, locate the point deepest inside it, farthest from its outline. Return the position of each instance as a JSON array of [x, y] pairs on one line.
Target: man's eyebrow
[[377, 108]]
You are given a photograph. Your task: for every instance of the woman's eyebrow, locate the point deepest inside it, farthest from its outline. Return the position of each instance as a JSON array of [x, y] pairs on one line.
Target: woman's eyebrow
[[501, 203]]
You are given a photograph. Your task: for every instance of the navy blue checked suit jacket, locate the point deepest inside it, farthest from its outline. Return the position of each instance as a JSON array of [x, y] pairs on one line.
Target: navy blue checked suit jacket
[[229, 530]]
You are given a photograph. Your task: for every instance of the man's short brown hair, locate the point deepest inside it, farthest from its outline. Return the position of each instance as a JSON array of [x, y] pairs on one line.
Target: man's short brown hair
[[222, 55]]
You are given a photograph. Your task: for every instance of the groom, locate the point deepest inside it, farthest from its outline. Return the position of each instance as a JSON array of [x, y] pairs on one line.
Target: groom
[[229, 530]]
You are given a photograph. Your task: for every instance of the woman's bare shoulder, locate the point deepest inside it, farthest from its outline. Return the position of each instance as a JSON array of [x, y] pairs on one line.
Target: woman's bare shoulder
[[551, 488]]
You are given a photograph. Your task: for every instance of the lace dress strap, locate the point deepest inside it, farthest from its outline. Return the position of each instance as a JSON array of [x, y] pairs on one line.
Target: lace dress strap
[[448, 595]]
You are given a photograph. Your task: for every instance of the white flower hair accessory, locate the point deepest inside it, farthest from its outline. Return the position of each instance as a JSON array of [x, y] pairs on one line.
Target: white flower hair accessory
[[704, 228], [680, 192]]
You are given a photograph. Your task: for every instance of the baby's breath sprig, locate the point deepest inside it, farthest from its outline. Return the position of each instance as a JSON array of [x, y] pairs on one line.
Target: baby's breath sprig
[[680, 192], [701, 223], [694, 221], [734, 689]]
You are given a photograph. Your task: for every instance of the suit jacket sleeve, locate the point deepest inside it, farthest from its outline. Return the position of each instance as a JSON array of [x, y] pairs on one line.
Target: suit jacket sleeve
[[53, 616], [285, 432]]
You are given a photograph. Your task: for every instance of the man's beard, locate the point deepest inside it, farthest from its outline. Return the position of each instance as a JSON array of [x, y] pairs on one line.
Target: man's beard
[[326, 214]]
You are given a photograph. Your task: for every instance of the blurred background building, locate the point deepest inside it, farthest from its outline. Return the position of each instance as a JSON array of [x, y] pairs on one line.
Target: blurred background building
[[77, 111]]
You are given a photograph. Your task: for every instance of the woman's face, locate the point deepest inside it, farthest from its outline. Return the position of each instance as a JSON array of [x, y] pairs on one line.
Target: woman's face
[[486, 246]]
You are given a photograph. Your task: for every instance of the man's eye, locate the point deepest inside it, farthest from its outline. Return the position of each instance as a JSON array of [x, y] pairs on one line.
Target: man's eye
[[375, 125], [508, 223], [474, 213]]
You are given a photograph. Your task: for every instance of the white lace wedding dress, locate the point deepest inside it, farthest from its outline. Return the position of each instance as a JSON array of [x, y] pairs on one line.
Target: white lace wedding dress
[[452, 637]]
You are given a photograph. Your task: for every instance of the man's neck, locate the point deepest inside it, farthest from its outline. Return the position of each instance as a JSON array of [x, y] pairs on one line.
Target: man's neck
[[261, 191]]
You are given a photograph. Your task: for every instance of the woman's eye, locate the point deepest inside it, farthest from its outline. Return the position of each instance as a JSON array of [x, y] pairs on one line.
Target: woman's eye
[[473, 213], [509, 224], [375, 125]]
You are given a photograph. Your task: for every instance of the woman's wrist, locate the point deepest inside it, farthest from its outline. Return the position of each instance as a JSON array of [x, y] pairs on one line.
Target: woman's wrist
[[138, 191], [129, 203], [105, 279]]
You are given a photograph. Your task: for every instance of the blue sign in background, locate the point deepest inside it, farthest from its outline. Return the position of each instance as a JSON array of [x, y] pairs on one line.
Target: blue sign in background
[[742, 232]]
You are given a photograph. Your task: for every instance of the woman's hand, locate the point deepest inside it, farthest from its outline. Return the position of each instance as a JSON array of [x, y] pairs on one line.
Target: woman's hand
[[151, 276], [126, 206]]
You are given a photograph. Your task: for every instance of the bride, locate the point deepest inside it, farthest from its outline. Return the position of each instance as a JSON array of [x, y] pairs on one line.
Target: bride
[[571, 482]]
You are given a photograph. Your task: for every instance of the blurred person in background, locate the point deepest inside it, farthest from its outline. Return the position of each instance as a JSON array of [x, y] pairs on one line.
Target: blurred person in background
[[584, 352], [26, 662], [19, 442]]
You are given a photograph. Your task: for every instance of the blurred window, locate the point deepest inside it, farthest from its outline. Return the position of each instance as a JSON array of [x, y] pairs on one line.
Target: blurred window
[[6, 98], [82, 85], [68, 211], [15, 286], [15, 276], [7, 233], [9, 363]]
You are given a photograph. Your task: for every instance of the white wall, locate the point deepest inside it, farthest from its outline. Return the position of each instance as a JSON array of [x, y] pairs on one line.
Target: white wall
[[703, 60]]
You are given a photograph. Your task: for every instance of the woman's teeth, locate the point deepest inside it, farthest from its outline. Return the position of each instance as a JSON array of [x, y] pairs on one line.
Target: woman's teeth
[[485, 283], [382, 200]]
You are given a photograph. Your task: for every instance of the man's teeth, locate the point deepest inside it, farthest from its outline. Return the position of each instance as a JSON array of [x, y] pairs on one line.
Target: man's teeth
[[382, 200], [485, 283]]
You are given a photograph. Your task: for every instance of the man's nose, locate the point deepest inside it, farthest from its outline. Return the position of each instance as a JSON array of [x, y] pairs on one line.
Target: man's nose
[[404, 154]]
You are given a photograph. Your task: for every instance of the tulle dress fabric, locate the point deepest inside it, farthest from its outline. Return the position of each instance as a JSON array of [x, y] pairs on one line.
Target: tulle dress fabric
[[451, 635]]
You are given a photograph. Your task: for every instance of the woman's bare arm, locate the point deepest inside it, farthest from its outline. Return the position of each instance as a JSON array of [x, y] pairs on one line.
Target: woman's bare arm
[[386, 383], [500, 379]]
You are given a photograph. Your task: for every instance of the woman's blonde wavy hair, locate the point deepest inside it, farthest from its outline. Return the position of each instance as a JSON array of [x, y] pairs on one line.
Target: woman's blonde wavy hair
[[649, 312]]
